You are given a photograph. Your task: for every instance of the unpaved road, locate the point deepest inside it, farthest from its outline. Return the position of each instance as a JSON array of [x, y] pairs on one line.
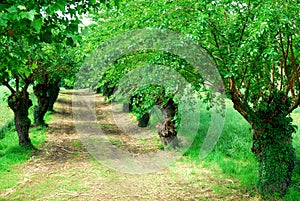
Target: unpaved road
[[64, 170]]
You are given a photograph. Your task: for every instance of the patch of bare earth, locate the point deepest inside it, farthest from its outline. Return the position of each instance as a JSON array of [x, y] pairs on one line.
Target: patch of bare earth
[[64, 170]]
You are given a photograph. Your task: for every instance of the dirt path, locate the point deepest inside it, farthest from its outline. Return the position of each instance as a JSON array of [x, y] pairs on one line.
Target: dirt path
[[64, 170]]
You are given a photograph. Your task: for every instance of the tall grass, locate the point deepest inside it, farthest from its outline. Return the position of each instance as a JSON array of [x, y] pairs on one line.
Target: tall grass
[[4, 129]]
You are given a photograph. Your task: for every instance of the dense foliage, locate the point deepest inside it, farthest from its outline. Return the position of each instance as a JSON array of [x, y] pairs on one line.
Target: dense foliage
[[29, 31]]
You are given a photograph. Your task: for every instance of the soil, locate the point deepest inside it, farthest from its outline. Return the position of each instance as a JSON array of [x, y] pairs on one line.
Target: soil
[[63, 169]]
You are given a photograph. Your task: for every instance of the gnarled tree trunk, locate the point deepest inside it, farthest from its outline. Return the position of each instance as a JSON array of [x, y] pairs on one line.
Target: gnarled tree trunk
[[166, 129], [41, 92], [272, 145], [274, 150], [53, 94], [107, 90], [127, 107], [19, 102], [144, 120]]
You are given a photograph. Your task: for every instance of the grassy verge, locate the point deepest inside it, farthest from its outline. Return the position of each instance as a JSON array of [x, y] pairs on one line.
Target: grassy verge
[[11, 154], [232, 154], [294, 193], [6, 115]]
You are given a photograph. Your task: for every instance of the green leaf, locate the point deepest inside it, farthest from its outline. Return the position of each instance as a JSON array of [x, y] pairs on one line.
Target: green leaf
[[3, 20], [34, 66], [37, 24], [28, 15], [230, 74], [12, 9], [24, 15], [22, 7], [61, 5], [27, 73], [85, 31], [31, 15]]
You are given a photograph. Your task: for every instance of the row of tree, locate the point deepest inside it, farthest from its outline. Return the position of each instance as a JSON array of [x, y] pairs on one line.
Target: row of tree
[[37, 45], [256, 49], [254, 45]]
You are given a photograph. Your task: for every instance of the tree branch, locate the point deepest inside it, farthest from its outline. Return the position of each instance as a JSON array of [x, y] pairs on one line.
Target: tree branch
[[243, 78], [273, 75], [17, 82], [5, 83], [240, 106], [296, 104], [281, 76], [28, 81], [295, 73]]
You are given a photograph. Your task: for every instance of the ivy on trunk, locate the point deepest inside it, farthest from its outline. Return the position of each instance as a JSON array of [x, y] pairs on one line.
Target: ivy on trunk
[[272, 144]]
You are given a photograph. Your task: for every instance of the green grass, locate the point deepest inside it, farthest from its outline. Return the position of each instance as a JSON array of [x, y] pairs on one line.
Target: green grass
[[4, 129], [6, 115], [231, 157], [11, 154], [232, 154], [295, 189]]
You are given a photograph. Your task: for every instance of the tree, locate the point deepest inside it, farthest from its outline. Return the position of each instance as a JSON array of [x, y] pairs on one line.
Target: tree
[[143, 99], [59, 61], [24, 27], [255, 46]]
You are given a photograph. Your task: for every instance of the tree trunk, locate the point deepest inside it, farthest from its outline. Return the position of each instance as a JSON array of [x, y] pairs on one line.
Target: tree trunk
[[275, 153], [166, 129], [53, 94], [19, 102], [272, 145], [143, 122], [107, 91], [98, 90], [41, 92], [126, 107]]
